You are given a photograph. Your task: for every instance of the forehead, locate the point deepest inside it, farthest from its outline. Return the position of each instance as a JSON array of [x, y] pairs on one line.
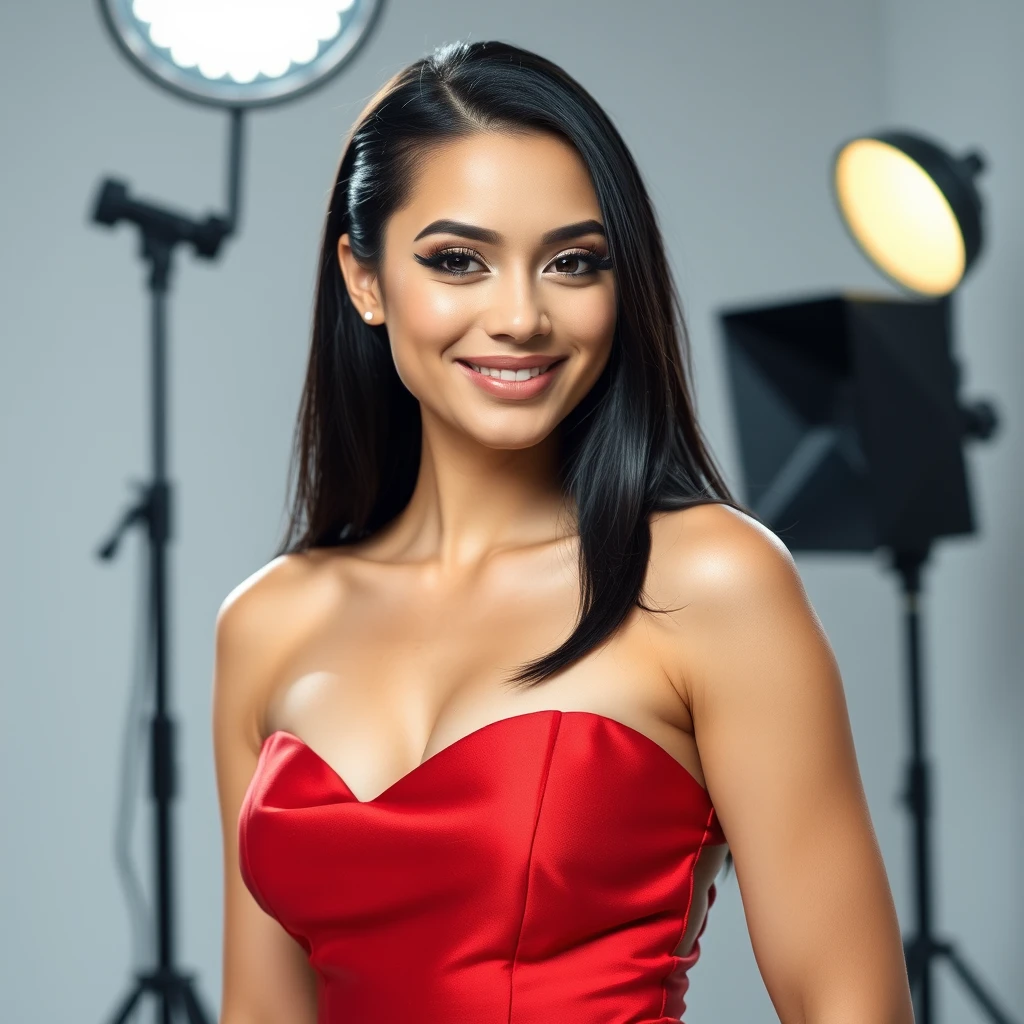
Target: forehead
[[520, 185]]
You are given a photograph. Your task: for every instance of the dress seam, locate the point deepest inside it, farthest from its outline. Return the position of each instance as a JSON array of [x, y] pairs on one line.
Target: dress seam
[[529, 860], [686, 916]]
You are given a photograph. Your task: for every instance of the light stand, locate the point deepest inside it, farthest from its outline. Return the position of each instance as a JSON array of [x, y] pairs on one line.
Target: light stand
[[922, 947], [851, 432], [915, 211], [160, 232], [182, 49]]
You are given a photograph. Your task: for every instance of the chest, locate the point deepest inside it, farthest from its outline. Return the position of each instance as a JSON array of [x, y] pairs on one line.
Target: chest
[[394, 665]]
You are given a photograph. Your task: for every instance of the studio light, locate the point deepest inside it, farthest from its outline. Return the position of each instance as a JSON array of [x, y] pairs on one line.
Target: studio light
[[234, 55], [912, 208], [239, 53], [852, 428]]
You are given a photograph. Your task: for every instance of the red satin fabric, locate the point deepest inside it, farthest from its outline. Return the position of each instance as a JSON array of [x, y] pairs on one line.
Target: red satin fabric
[[538, 870]]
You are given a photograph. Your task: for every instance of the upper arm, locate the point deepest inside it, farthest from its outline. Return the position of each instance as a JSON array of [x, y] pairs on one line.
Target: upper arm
[[267, 978], [777, 752]]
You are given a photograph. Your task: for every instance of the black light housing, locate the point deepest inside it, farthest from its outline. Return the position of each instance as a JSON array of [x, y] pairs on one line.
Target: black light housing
[[911, 207]]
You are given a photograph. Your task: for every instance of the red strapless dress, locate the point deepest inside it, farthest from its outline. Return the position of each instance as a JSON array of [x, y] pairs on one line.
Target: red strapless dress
[[537, 871]]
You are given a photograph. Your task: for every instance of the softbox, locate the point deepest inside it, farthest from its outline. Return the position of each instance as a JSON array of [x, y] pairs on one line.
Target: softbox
[[849, 426]]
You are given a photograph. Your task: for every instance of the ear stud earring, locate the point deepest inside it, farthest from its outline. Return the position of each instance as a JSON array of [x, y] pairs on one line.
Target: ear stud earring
[[368, 314]]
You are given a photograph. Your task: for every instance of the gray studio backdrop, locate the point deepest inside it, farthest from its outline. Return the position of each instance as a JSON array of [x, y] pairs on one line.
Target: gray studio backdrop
[[732, 109]]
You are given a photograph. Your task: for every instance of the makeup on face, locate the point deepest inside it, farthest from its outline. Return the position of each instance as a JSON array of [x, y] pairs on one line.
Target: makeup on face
[[501, 274], [440, 254]]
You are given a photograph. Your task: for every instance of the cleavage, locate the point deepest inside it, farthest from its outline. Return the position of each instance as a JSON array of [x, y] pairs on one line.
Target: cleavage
[[347, 736]]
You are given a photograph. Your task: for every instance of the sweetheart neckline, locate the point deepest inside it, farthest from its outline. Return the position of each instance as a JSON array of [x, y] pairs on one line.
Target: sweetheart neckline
[[644, 739]]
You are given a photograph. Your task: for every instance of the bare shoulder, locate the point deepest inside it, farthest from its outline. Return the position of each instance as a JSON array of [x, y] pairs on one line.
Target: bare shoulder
[[716, 545], [713, 555], [776, 748], [738, 617], [285, 590], [258, 625], [262, 592], [265, 972]]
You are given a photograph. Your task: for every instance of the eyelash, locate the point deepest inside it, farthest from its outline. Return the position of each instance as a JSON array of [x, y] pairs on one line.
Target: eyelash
[[594, 260]]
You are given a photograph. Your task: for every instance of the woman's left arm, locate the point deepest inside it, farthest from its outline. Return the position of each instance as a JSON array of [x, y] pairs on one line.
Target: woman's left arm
[[776, 748]]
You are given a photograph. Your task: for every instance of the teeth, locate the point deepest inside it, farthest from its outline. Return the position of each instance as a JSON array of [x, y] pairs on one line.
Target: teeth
[[524, 374]]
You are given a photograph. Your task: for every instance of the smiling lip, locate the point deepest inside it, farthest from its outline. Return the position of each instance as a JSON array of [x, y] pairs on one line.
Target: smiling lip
[[511, 362], [516, 389]]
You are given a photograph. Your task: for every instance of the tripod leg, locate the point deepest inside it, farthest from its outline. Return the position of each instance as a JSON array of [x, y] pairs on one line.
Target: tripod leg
[[195, 1014], [124, 1011], [973, 984]]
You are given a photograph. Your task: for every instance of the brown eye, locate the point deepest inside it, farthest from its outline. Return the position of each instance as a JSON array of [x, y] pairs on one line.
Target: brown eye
[[449, 261], [571, 264], [456, 263], [580, 263]]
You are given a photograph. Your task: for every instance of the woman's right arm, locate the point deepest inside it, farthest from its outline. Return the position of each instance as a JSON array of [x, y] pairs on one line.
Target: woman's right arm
[[267, 978]]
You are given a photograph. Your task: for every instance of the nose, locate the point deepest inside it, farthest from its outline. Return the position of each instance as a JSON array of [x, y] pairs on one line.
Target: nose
[[513, 312]]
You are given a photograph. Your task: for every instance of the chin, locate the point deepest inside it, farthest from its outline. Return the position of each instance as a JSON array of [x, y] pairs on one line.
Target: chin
[[506, 437]]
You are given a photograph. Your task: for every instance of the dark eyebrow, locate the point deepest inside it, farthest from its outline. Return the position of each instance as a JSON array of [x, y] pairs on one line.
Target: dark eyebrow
[[563, 234]]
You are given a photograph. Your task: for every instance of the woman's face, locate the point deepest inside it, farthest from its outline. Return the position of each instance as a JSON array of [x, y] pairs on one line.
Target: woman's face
[[498, 261]]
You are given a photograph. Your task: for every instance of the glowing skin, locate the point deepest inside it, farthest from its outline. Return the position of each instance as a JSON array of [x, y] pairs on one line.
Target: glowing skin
[[518, 295], [380, 654]]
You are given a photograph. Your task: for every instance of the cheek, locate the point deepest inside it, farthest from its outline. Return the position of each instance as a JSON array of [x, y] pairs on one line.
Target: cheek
[[419, 308], [423, 321], [592, 320]]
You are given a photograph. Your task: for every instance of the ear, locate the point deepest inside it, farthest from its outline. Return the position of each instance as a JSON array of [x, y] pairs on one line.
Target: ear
[[363, 287]]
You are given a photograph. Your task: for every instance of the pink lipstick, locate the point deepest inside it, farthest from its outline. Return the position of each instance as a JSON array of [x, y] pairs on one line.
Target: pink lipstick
[[511, 376]]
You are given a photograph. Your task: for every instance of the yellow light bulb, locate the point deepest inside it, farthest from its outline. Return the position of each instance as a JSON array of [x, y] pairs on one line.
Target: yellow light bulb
[[900, 217]]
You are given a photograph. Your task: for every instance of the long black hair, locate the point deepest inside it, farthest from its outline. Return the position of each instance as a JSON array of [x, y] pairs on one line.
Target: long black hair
[[631, 447]]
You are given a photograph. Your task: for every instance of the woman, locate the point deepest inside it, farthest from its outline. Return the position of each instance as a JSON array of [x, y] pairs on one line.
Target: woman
[[522, 664]]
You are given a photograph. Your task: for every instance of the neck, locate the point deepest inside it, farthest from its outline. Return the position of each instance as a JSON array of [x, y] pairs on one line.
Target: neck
[[471, 501]]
